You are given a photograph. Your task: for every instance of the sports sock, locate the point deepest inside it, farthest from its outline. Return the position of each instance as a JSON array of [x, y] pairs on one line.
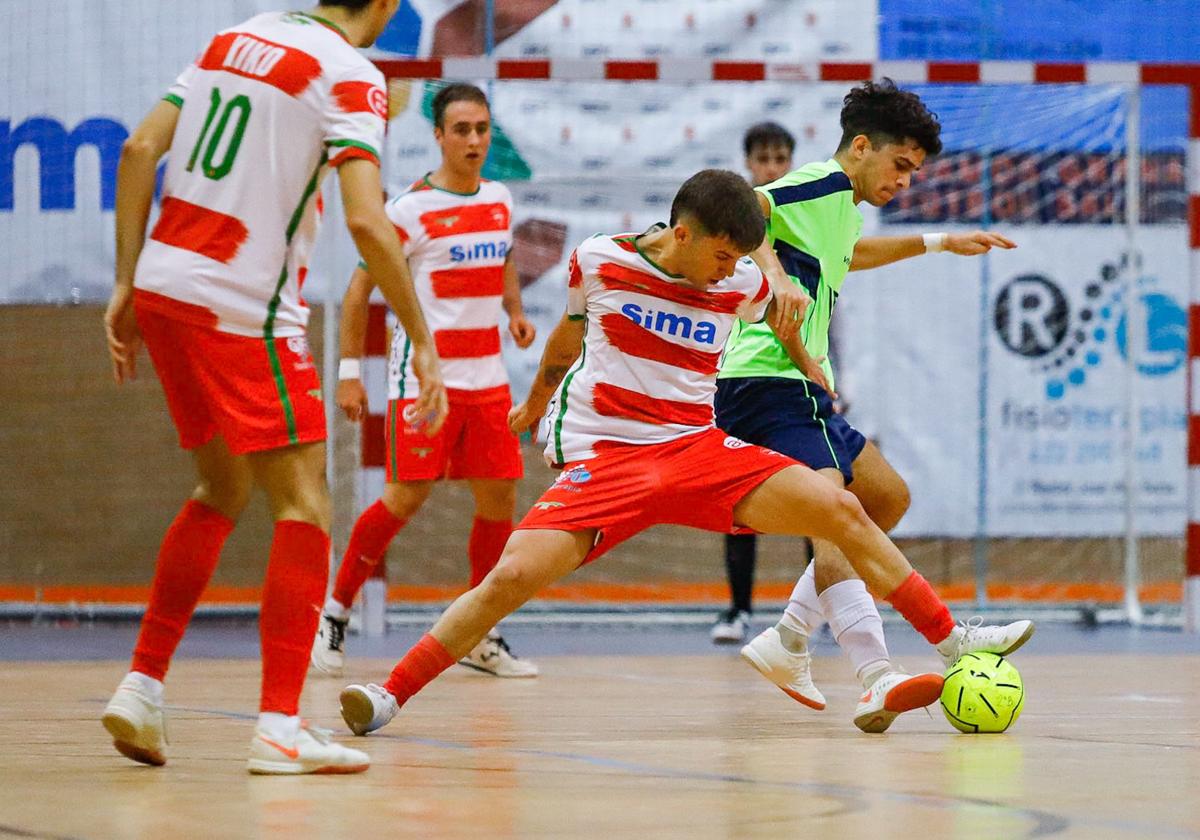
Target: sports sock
[[375, 528], [804, 609], [740, 551], [488, 538], [336, 609], [423, 662], [857, 627], [291, 607], [922, 608], [186, 561], [277, 727]]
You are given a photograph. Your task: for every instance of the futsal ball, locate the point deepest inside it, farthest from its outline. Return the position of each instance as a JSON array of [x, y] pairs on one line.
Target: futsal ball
[[983, 693]]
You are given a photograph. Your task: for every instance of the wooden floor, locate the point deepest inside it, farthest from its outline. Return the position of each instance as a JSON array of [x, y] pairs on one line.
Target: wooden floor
[[618, 747]]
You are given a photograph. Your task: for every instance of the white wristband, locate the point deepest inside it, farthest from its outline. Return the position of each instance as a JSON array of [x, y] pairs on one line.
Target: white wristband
[[350, 369], [934, 242]]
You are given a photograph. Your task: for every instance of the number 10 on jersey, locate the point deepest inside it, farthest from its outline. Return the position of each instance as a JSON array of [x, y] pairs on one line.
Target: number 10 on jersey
[[209, 165]]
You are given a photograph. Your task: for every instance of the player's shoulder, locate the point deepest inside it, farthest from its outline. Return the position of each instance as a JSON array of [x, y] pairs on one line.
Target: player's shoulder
[[493, 192], [747, 276], [812, 181]]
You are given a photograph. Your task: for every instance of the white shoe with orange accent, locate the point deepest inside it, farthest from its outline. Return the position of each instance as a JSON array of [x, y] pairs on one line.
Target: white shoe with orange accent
[[137, 723], [792, 672], [976, 637], [312, 750], [894, 694]]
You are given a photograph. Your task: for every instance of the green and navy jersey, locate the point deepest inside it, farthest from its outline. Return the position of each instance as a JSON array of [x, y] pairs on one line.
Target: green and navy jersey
[[266, 110], [813, 227]]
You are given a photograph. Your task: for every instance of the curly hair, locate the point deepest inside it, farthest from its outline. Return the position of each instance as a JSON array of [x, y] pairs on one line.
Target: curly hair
[[722, 204], [886, 114]]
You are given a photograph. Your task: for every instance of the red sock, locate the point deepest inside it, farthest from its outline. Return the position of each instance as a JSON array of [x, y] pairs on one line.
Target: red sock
[[369, 540], [423, 662], [186, 560], [291, 607], [488, 537], [922, 608]]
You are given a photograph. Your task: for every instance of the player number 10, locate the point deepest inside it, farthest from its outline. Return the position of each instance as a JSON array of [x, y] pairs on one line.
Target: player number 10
[[209, 165]]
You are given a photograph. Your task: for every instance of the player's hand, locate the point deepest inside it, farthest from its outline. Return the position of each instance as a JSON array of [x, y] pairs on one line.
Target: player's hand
[[429, 411], [525, 418], [976, 242], [121, 331], [351, 398], [522, 330], [787, 313], [813, 372]]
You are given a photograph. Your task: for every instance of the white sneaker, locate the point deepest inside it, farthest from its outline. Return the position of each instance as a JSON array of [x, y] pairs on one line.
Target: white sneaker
[[792, 672], [313, 750], [137, 724], [893, 694], [731, 627], [329, 648], [366, 708], [492, 656], [974, 636]]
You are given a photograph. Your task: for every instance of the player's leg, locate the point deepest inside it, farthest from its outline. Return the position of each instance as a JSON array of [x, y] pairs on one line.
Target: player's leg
[[532, 560], [495, 504], [186, 560], [732, 624]]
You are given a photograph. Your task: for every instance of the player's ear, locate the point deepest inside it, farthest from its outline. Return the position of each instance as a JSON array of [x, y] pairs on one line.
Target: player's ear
[[861, 144]]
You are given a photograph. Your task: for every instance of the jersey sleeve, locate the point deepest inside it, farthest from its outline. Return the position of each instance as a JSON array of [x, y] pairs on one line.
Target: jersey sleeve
[[177, 92], [753, 308], [356, 113], [576, 294]]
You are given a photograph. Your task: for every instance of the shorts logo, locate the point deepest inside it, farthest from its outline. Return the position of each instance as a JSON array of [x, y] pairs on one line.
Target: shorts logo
[[734, 443], [315, 393], [421, 451], [549, 505], [575, 475], [298, 346]]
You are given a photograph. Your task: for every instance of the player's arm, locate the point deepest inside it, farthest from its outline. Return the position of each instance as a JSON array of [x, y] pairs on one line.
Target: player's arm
[[562, 350], [375, 238], [805, 362], [137, 173], [874, 251], [519, 327], [356, 307], [790, 301]]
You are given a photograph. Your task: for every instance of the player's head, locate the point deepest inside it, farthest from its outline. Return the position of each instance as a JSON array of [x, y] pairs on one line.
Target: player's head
[[373, 14], [715, 220], [769, 147], [462, 125], [886, 135]]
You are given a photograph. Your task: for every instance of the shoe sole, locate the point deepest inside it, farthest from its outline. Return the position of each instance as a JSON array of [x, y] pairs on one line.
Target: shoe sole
[[1025, 637], [124, 734], [259, 767], [357, 706], [752, 659], [492, 673], [914, 693]]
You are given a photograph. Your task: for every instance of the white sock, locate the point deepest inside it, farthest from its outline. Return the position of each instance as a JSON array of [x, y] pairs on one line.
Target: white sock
[[279, 727], [857, 628], [803, 608], [149, 686], [336, 609]]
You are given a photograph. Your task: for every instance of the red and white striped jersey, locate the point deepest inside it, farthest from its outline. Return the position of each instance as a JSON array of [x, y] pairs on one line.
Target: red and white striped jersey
[[456, 246], [266, 109], [648, 370]]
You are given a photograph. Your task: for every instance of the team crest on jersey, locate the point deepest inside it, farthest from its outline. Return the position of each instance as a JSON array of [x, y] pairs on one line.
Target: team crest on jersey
[[378, 100]]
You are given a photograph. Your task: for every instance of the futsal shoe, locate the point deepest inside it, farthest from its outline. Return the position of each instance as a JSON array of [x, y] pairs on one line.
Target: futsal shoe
[[137, 723], [366, 708], [975, 637], [312, 750], [329, 648], [894, 694], [493, 656], [792, 672], [731, 627]]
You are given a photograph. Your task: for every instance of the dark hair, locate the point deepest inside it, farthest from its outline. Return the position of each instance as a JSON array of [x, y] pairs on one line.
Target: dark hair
[[457, 92], [722, 204], [767, 134], [356, 5], [887, 114]]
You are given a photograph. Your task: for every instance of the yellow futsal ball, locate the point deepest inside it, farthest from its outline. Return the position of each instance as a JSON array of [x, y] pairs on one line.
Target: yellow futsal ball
[[983, 693]]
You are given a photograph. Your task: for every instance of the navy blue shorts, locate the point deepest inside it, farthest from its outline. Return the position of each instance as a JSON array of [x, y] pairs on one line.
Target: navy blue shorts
[[793, 417]]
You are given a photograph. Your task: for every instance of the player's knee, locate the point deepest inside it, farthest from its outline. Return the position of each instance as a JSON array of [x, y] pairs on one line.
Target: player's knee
[[888, 514], [846, 511], [228, 496], [306, 504], [507, 581], [404, 498], [497, 502]]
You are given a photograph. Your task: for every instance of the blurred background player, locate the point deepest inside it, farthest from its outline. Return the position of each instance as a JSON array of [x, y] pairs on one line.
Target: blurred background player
[[456, 232], [251, 127], [763, 397], [625, 387], [768, 147]]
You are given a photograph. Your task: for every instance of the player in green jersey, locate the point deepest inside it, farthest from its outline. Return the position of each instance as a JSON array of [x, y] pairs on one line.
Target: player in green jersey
[[813, 239]]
